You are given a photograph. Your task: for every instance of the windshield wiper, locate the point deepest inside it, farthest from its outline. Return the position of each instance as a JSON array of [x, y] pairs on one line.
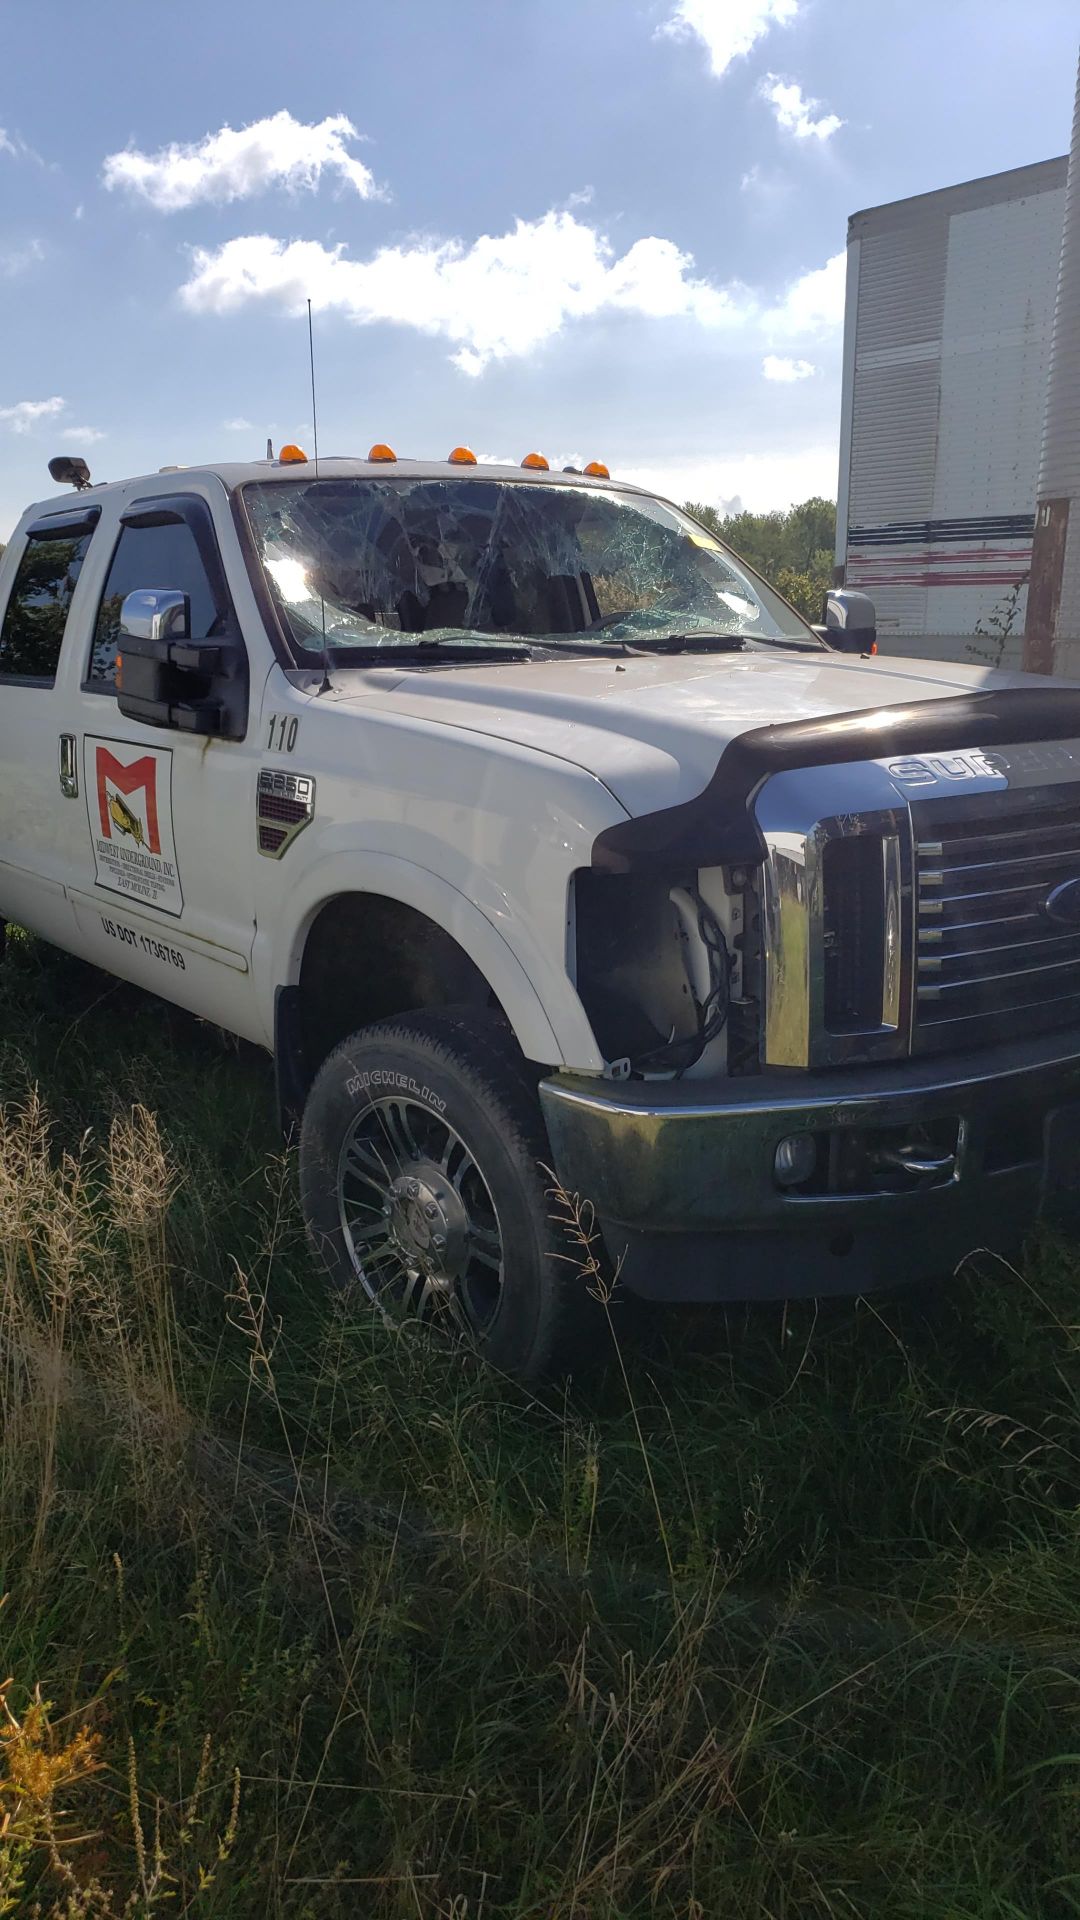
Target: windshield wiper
[[421, 653], [689, 643], [473, 649]]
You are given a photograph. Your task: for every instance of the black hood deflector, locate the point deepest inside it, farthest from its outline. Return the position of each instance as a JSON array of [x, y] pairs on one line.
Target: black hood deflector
[[718, 828]]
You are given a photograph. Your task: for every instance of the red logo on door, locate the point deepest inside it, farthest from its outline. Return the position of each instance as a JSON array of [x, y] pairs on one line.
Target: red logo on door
[[118, 790]]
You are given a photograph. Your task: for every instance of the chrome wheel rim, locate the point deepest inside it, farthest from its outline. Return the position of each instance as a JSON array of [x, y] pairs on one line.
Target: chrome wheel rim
[[417, 1218]]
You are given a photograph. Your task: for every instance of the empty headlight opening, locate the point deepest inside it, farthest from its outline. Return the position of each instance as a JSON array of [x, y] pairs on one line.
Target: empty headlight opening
[[653, 968]]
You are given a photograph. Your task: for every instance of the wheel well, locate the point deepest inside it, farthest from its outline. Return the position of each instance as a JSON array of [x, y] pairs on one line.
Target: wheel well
[[367, 958]]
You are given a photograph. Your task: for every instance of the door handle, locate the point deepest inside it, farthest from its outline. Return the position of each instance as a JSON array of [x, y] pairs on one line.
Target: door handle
[[69, 767]]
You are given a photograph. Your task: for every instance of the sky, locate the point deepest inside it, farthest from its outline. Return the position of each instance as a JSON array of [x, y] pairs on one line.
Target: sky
[[600, 229]]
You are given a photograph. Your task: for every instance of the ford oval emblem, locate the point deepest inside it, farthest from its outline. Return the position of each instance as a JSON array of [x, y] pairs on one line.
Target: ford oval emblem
[[1063, 904]]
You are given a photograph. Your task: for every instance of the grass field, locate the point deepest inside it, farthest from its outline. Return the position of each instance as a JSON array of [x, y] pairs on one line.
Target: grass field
[[305, 1618]]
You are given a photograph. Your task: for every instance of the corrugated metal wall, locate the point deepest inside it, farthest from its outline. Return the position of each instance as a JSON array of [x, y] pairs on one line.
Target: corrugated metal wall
[[954, 309], [1059, 475]]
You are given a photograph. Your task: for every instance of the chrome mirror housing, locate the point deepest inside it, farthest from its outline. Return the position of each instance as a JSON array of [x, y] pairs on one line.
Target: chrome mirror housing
[[155, 613]]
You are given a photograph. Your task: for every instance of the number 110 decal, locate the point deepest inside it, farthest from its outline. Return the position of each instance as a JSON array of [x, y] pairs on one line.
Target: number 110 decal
[[284, 728]]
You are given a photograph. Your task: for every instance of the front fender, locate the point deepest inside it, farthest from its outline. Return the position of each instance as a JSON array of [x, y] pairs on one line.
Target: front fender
[[536, 995]]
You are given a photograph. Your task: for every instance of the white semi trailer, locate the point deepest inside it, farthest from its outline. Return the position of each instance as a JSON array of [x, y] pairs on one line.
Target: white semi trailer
[[947, 340]]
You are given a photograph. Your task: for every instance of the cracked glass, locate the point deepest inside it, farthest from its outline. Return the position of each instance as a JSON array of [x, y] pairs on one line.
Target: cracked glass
[[399, 563]]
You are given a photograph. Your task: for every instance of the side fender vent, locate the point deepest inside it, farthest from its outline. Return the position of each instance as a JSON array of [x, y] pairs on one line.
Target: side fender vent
[[285, 804]]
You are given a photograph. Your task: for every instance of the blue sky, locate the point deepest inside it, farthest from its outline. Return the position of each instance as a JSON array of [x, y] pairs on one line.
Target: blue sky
[[600, 228]]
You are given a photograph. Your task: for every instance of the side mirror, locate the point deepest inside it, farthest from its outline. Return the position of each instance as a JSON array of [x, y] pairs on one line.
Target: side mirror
[[850, 624], [166, 679], [150, 615]]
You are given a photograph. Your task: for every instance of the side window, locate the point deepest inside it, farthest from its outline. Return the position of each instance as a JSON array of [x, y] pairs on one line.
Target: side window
[[166, 557], [37, 608]]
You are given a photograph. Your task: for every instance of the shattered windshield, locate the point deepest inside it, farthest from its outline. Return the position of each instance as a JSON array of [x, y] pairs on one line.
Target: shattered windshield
[[379, 564]]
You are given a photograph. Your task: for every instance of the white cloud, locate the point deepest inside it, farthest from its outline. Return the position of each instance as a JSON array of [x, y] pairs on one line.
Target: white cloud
[[239, 425], [234, 164], [795, 110], [25, 414], [769, 187], [500, 297], [556, 461], [18, 148], [776, 367], [16, 260], [83, 436], [758, 481], [727, 29], [813, 305]]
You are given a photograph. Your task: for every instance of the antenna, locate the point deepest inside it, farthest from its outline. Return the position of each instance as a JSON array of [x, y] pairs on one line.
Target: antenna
[[326, 686], [314, 415]]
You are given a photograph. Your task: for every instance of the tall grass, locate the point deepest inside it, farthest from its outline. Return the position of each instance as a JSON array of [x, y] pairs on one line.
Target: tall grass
[[778, 1618]]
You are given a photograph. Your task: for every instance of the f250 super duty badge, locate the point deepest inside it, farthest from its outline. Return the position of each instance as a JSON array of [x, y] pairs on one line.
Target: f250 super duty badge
[[129, 800]]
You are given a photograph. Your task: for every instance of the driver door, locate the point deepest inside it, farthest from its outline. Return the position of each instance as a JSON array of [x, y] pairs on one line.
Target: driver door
[[165, 892]]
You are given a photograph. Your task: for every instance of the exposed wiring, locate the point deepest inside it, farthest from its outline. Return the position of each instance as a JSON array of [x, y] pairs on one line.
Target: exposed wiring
[[675, 1056]]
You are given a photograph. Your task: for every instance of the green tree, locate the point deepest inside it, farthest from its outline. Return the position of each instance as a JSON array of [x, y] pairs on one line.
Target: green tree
[[794, 550], [38, 603]]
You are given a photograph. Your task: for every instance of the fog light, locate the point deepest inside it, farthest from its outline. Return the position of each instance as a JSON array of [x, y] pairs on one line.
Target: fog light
[[795, 1160]]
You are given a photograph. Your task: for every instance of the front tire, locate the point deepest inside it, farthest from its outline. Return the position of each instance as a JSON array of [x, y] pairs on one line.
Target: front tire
[[421, 1176]]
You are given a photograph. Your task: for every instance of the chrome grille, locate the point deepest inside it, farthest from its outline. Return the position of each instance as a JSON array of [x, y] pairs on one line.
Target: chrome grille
[[990, 963]]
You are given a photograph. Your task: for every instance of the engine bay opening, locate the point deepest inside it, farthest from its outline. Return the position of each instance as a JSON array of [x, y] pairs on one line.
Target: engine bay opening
[[658, 962]]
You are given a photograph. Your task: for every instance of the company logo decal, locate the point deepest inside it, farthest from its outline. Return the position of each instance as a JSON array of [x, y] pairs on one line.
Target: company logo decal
[[115, 782], [129, 793]]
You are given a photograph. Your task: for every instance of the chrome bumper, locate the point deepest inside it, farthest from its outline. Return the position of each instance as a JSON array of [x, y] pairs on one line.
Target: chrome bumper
[[684, 1187]]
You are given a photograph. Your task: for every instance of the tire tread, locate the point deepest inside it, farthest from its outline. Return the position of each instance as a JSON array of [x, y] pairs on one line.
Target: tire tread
[[479, 1049]]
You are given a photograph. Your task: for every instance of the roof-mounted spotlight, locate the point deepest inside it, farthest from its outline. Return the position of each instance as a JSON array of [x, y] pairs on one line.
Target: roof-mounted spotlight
[[68, 470]]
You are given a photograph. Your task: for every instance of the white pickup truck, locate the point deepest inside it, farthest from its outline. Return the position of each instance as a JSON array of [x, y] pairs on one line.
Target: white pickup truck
[[530, 830]]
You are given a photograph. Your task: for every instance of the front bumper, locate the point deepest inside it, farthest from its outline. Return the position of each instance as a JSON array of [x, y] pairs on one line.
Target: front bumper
[[685, 1192]]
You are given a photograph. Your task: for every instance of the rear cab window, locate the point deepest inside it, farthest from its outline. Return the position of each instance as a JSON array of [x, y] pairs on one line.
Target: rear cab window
[[35, 617]]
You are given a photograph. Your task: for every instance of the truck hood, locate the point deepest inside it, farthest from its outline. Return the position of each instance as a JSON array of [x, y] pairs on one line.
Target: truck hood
[[653, 729]]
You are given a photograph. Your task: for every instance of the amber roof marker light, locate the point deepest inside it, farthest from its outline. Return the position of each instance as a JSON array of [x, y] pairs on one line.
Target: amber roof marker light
[[537, 462], [597, 470], [462, 457], [292, 456], [380, 451]]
